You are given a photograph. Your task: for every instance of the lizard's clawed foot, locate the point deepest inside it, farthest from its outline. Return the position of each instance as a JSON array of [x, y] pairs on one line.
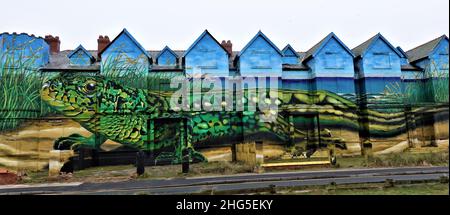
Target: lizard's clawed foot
[[174, 158], [75, 142], [71, 142], [166, 157], [196, 156]]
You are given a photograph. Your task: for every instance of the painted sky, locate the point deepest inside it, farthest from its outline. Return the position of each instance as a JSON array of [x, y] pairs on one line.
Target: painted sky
[[178, 23]]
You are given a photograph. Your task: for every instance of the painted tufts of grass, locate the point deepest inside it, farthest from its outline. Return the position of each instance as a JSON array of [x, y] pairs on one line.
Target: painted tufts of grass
[[131, 72], [20, 85]]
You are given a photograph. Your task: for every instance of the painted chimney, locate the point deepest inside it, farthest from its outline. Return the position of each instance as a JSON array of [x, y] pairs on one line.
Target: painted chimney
[[227, 46], [102, 42], [54, 43]]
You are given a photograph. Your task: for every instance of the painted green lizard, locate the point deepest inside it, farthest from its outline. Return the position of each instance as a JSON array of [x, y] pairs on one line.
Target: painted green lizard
[[125, 115]]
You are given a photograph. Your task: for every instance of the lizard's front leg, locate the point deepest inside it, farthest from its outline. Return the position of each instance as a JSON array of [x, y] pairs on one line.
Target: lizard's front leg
[[76, 141]]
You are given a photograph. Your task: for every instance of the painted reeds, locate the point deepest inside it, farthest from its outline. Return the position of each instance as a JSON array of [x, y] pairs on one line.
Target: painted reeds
[[20, 85]]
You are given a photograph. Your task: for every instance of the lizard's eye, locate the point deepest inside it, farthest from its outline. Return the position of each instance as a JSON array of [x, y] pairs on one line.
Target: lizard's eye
[[89, 87], [53, 86]]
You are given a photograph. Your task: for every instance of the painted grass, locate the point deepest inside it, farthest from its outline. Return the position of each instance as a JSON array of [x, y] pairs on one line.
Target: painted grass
[[20, 85], [133, 73], [430, 86], [124, 70], [439, 78]]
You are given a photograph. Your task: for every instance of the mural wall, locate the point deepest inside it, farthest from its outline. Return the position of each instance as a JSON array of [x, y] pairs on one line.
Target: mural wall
[[116, 101]]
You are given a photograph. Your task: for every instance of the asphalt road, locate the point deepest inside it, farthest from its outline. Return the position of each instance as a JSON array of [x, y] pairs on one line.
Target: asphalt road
[[234, 182]]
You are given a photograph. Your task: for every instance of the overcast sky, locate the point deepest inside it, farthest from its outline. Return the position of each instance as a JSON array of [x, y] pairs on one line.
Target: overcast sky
[[178, 23]]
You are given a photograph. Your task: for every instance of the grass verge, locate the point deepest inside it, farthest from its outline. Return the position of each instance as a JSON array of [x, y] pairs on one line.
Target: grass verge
[[128, 172], [433, 188], [396, 160]]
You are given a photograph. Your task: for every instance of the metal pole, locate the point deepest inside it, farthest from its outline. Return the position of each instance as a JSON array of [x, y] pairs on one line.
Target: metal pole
[[185, 161], [140, 162]]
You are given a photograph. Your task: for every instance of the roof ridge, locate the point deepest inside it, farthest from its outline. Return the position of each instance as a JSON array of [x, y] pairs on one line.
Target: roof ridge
[[166, 48], [366, 41], [426, 43], [260, 33], [423, 50], [288, 46], [23, 33], [361, 49], [205, 32], [80, 47], [321, 41], [318, 46], [128, 34]]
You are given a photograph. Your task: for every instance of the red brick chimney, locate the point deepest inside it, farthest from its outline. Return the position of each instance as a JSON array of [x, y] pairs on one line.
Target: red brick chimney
[[227, 46], [53, 42], [102, 42]]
